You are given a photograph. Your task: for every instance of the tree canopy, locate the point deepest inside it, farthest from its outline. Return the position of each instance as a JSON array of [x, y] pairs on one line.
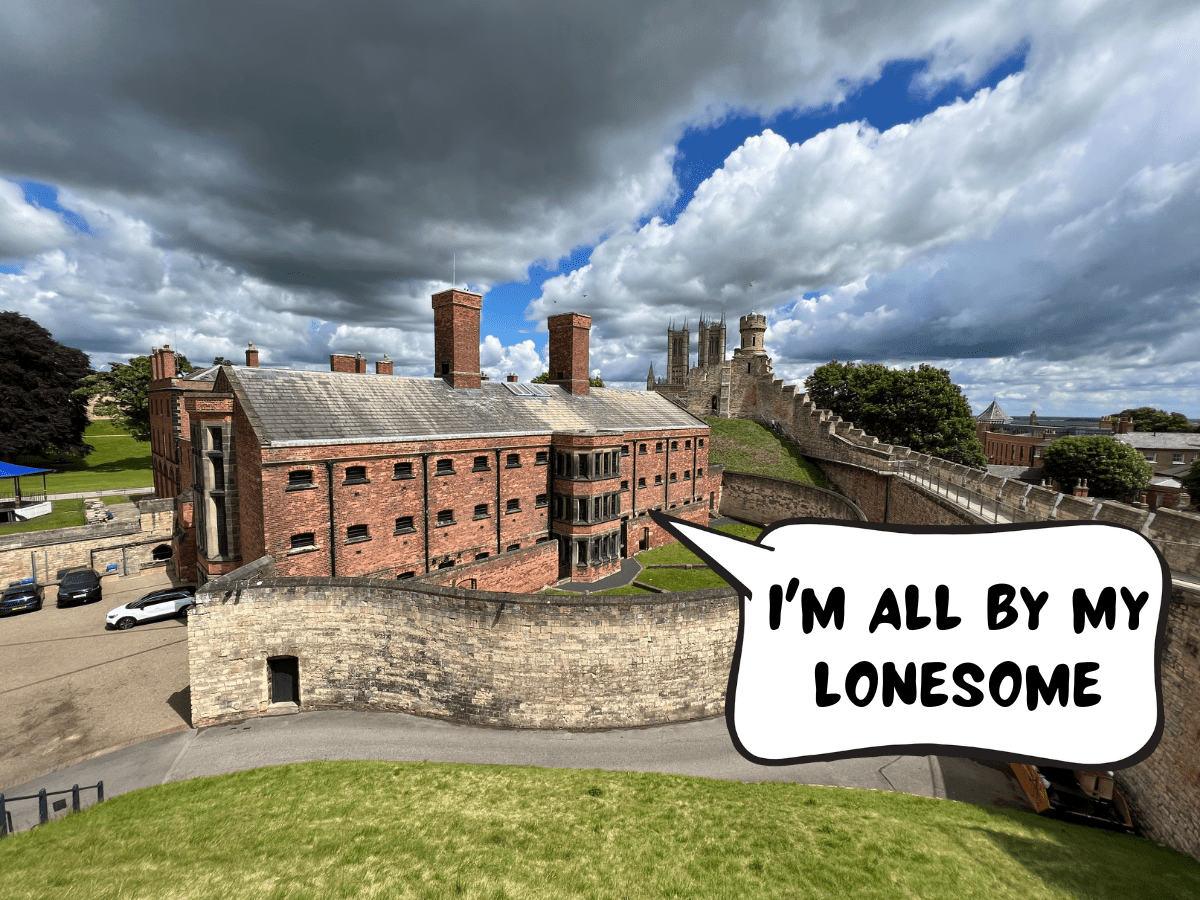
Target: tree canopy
[[1113, 470], [39, 414], [1147, 418], [127, 389], [920, 408], [544, 378], [1191, 481]]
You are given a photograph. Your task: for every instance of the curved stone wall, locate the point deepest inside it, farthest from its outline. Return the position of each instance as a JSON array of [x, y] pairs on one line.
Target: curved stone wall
[[513, 660], [762, 500]]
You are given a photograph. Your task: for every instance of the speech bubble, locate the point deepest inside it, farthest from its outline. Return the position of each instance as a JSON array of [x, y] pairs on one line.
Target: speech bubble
[[1033, 643]]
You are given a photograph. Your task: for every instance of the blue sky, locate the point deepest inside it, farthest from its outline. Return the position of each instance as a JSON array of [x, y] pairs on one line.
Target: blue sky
[[1007, 190]]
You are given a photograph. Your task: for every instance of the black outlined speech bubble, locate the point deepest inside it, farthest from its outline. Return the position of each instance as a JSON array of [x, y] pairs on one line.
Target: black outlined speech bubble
[[1034, 643]]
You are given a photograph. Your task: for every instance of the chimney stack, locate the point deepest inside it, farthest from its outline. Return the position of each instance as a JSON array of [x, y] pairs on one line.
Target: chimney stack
[[512, 376], [383, 366], [341, 362], [570, 351], [360, 363], [252, 356], [456, 338], [1125, 425], [166, 362], [1081, 488]]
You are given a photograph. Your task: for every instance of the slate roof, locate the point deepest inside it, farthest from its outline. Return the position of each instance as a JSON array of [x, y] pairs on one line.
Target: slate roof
[[288, 407], [994, 414], [1160, 440]]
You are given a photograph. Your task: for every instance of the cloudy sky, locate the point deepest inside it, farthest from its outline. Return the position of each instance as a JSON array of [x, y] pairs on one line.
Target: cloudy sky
[[1008, 190]]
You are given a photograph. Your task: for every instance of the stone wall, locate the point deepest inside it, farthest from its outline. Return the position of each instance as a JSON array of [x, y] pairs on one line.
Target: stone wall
[[129, 546], [1165, 789], [513, 660], [762, 500]]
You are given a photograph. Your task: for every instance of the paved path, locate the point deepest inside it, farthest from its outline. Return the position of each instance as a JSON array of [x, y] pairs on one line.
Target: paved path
[[695, 748]]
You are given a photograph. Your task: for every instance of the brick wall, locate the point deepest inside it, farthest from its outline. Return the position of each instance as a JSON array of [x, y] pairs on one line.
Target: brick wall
[[517, 571], [499, 659]]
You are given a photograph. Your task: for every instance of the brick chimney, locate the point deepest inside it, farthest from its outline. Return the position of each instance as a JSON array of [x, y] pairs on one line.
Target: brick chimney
[[570, 351], [1125, 425], [383, 366], [162, 362], [1081, 488], [341, 362], [512, 376], [456, 338], [360, 364], [252, 356]]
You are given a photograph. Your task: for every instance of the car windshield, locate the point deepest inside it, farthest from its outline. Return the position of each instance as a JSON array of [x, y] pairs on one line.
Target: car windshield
[[78, 579]]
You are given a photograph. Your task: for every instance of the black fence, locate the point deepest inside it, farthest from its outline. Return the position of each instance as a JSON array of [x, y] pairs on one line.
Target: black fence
[[42, 797]]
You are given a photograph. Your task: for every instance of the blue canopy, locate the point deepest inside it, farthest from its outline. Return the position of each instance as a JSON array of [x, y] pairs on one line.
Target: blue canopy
[[8, 470]]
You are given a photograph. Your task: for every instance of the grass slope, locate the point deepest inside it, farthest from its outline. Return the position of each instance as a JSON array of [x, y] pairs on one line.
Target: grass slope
[[118, 461], [421, 830], [64, 514], [744, 446]]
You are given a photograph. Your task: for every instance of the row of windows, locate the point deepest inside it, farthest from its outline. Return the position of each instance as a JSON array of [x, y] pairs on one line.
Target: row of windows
[[303, 478], [598, 464], [585, 510], [404, 524]]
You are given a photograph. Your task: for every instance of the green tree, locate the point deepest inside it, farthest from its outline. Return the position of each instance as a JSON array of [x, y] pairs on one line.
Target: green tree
[[1191, 481], [1147, 418], [126, 393], [39, 413], [544, 378], [920, 408], [1113, 470]]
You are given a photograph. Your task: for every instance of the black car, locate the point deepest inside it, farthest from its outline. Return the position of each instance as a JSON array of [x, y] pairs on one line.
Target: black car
[[79, 587], [21, 595]]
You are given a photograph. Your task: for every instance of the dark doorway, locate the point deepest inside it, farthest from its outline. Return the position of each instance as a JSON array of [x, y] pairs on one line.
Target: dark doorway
[[284, 675]]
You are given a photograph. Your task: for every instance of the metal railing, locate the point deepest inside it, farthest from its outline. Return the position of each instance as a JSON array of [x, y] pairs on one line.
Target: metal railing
[[42, 797]]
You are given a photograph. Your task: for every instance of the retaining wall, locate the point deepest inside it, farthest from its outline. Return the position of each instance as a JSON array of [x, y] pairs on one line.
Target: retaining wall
[[762, 500]]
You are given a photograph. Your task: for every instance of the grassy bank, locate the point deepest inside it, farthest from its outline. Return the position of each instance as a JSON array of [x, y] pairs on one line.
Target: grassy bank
[[401, 830], [118, 461], [744, 446], [64, 514]]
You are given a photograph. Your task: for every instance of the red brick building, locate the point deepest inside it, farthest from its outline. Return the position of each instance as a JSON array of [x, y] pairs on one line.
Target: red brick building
[[508, 486]]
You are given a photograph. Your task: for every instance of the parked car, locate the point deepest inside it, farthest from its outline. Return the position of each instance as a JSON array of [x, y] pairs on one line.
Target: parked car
[[21, 595], [80, 586], [156, 605]]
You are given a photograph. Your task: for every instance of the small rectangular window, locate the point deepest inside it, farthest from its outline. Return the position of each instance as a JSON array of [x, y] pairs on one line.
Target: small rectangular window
[[700, 442], [402, 470], [405, 575], [482, 555], [445, 467], [673, 478], [511, 547], [513, 505], [624, 485], [303, 541], [641, 482], [624, 449], [674, 445], [687, 445], [299, 479], [641, 449], [541, 501], [1177, 458], [481, 511], [357, 533], [448, 564], [514, 461], [699, 473], [356, 475], [446, 517], [404, 525], [658, 447], [658, 479], [1151, 457], [542, 458], [481, 464], [687, 476]]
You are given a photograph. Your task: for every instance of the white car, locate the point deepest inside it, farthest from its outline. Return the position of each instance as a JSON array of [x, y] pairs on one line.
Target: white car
[[156, 605]]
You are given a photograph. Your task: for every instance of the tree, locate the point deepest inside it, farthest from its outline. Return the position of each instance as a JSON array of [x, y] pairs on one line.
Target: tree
[[1147, 418], [39, 414], [1191, 481], [544, 378], [920, 408], [128, 387], [1113, 470]]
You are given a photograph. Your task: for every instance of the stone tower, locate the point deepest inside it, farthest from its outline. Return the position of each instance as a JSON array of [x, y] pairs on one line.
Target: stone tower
[[679, 353], [710, 348], [753, 328]]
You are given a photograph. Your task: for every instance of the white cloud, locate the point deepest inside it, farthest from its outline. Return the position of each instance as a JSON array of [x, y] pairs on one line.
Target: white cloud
[[27, 230]]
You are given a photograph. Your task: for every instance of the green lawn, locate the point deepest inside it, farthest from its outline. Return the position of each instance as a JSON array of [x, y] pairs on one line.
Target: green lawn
[[422, 830], [682, 579], [65, 514], [675, 554], [118, 461], [744, 446]]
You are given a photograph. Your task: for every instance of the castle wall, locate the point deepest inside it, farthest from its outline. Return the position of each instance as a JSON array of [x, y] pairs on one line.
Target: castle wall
[[514, 660], [763, 500]]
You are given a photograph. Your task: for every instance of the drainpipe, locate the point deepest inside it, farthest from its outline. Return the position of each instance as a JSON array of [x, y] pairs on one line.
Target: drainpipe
[[667, 474], [425, 489], [498, 545], [695, 450], [332, 527]]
